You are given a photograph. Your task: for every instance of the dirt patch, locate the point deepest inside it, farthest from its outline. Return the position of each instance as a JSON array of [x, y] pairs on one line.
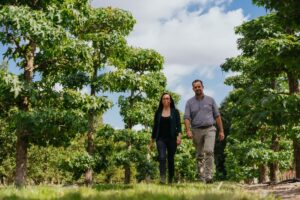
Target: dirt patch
[[285, 191]]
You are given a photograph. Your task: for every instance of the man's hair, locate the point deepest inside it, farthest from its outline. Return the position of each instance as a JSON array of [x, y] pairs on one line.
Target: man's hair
[[197, 80]]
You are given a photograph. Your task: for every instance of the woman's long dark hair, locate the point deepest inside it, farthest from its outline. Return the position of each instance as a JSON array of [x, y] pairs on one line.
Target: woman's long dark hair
[[160, 106]]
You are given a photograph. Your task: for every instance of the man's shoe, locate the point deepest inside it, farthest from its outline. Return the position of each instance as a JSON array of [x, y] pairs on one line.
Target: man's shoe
[[200, 180], [162, 180], [209, 181]]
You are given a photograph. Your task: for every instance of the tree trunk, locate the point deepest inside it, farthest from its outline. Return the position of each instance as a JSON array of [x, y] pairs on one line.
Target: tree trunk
[[263, 175], [22, 133], [296, 146], [21, 158], [263, 168], [90, 148], [294, 88], [127, 174], [274, 166], [90, 136], [127, 170]]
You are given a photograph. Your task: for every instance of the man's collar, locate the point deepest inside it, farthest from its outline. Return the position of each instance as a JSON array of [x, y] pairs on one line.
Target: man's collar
[[200, 98]]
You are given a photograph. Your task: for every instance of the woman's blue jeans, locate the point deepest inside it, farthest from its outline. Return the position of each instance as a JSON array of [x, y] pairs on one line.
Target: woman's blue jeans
[[166, 151]]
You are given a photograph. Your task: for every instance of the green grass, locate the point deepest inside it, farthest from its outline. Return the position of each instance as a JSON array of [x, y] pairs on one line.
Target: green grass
[[192, 191]]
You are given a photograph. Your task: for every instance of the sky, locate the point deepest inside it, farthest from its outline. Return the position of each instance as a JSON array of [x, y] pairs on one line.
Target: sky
[[194, 37]]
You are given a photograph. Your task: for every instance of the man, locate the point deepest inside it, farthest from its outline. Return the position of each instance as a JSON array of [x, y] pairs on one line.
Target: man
[[201, 113]]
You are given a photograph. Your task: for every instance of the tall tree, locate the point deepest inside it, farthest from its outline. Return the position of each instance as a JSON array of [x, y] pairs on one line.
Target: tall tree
[[142, 79], [105, 29], [38, 41], [257, 111], [287, 48]]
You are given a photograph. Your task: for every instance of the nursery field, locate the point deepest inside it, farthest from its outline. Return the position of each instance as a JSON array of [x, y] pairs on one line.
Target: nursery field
[[214, 191]]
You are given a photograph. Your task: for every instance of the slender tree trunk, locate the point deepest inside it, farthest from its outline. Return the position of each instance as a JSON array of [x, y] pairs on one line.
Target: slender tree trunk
[[129, 125], [263, 175], [294, 88], [127, 170], [21, 158], [263, 168], [296, 146], [90, 148], [22, 133], [90, 135], [274, 166], [127, 174]]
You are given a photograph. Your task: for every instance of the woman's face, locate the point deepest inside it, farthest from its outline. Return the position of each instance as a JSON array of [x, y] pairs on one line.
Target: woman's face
[[166, 100]]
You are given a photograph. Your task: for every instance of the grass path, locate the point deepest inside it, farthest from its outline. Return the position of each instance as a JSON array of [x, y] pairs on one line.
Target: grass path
[[192, 191]]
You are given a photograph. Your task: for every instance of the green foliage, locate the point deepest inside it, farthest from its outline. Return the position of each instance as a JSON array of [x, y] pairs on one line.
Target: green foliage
[[185, 162], [7, 157], [50, 126], [108, 21], [287, 10], [244, 157], [78, 164], [9, 83], [44, 165], [142, 78], [116, 152]]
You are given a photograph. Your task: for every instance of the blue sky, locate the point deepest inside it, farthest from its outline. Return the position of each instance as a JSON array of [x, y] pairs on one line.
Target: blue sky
[[194, 36], [187, 60]]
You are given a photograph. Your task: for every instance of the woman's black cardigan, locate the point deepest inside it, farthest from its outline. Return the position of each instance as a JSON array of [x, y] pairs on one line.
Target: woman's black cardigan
[[175, 123]]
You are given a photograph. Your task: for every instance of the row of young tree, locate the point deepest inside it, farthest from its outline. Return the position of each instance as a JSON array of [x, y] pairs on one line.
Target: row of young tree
[[71, 44], [262, 112], [58, 135]]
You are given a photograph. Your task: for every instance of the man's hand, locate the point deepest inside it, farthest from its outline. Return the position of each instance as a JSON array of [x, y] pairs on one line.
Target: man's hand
[[189, 134], [221, 135]]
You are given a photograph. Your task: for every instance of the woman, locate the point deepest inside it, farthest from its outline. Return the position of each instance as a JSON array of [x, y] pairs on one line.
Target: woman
[[167, 133]]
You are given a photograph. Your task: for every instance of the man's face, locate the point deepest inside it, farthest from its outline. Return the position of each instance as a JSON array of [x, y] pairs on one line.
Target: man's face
[[198, 88]]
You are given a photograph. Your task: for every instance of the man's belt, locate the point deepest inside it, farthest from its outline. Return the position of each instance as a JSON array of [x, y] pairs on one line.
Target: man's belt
[[204, 127]]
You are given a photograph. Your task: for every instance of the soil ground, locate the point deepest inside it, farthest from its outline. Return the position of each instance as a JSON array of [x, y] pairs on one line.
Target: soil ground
[[285, 191]]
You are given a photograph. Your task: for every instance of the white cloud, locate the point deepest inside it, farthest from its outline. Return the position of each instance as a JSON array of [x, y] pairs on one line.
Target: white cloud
[[229, 74], [194, 36], [138, 127], [186, 92]]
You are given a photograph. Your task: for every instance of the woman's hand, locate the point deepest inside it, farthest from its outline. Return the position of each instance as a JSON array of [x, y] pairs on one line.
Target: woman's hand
[[151, 145]]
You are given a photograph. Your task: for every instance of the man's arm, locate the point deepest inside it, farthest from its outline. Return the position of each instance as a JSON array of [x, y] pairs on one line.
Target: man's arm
[[220, 126], [187, 125], [187, 121]]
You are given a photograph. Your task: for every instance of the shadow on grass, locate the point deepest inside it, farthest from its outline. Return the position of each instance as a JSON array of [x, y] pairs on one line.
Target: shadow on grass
[[183, 191], [142, 196], [104, 187], [118, 196]]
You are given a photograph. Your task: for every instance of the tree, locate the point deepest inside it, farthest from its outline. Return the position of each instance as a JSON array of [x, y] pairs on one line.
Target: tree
[[38, 41], [287, 49], [141, 77], [105, 29], [272, 51]]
